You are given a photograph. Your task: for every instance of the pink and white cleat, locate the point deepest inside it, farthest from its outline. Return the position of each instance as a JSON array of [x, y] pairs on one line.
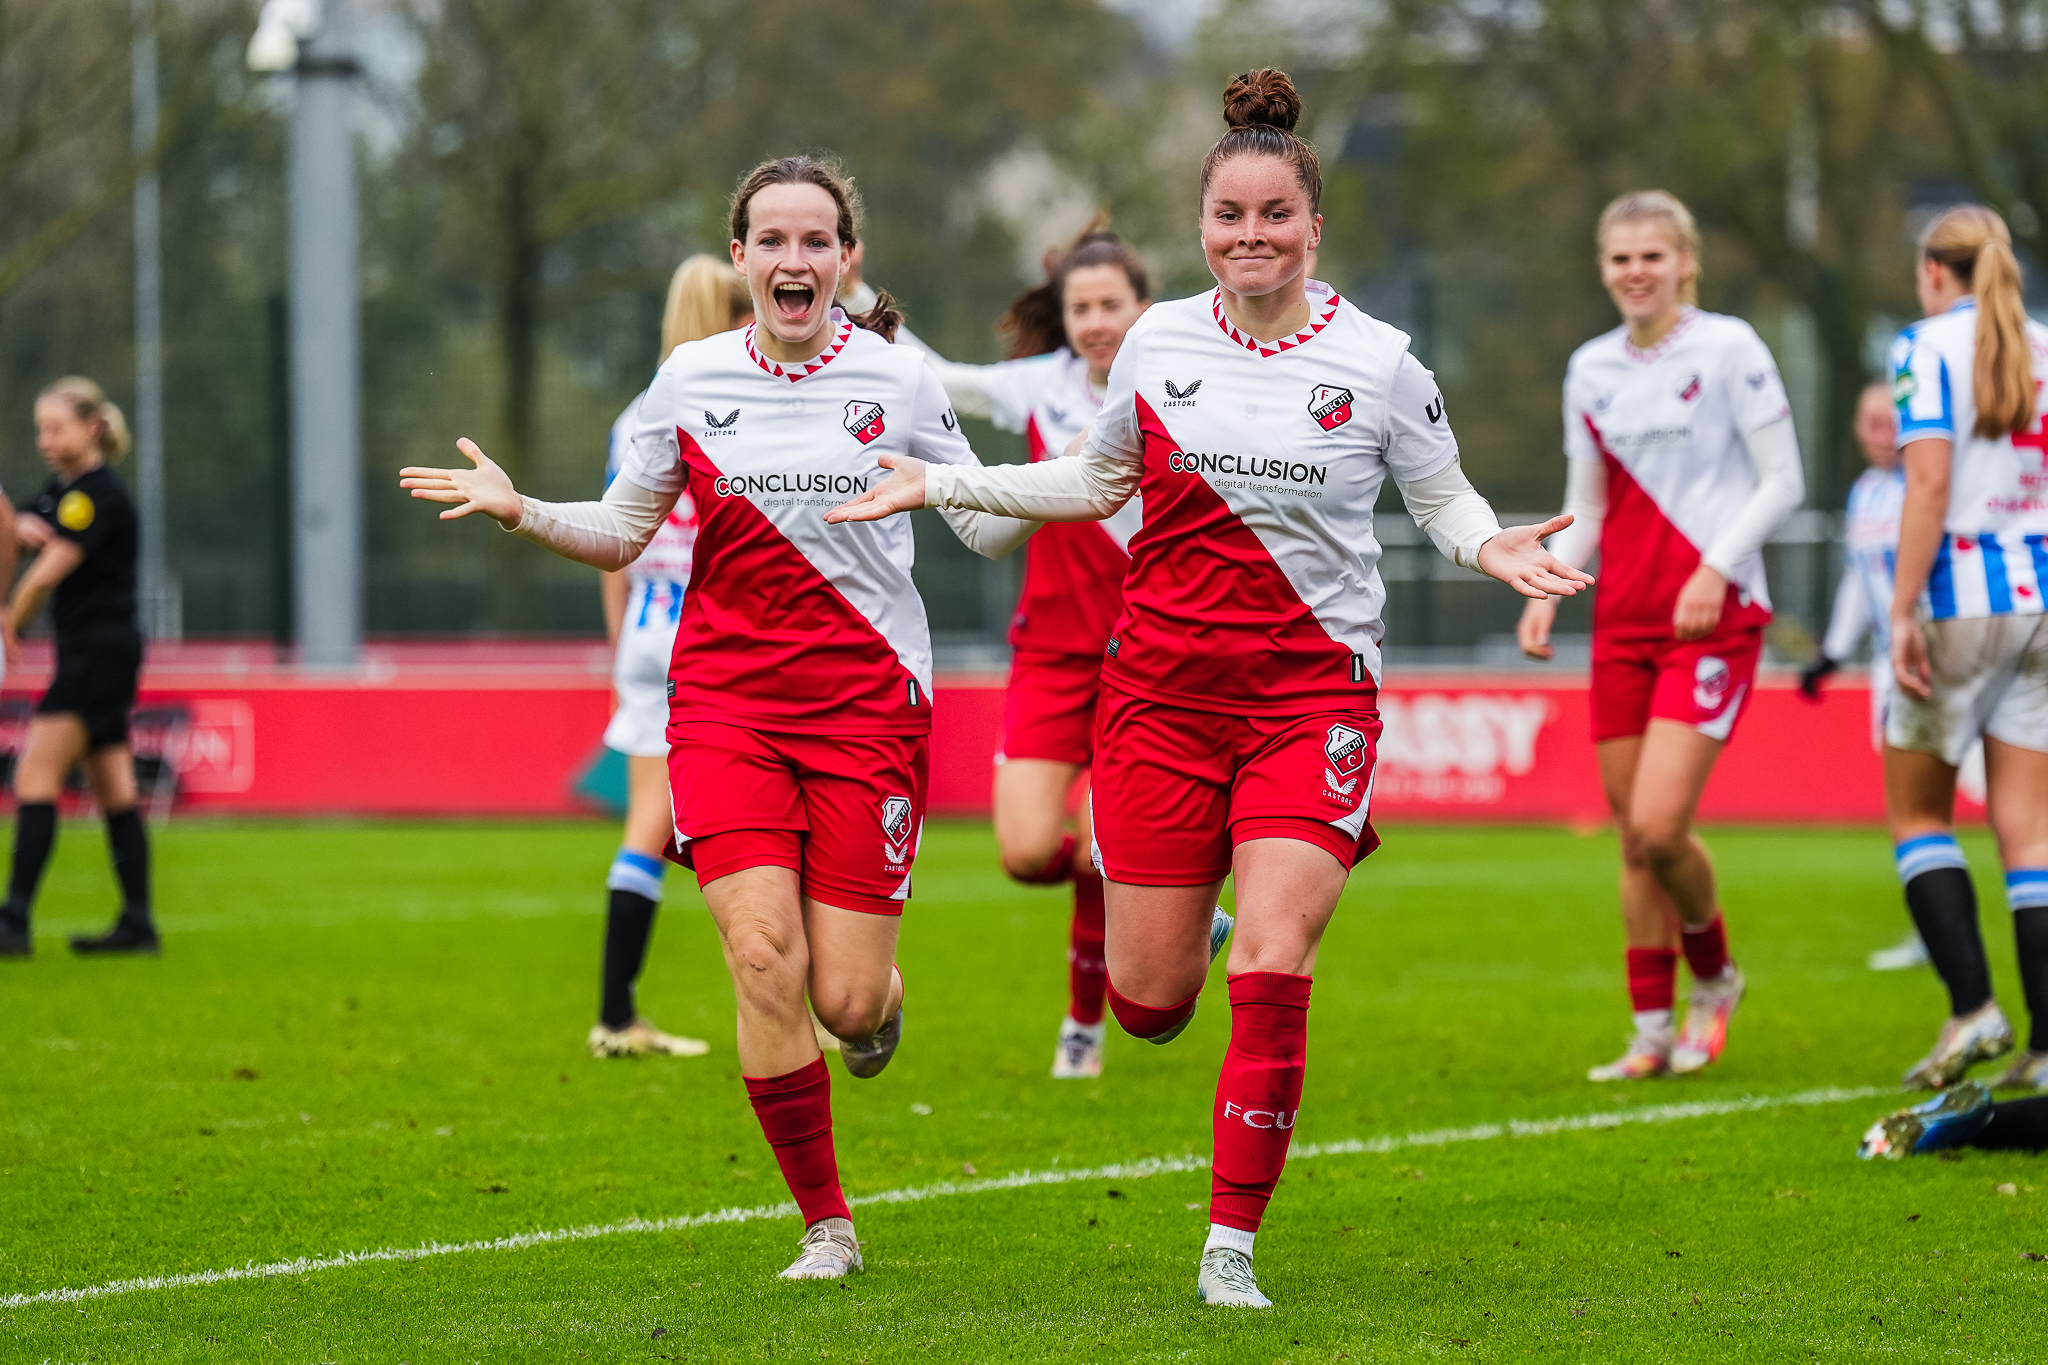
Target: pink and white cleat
[[1706, 1020], [1648, 1055]]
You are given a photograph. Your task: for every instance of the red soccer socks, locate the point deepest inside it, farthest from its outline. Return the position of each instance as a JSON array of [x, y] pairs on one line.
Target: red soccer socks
[[1258, 1095], [1706, 948], [1087, 972], [795, 1110], [1148, 1021], [1652, 979]]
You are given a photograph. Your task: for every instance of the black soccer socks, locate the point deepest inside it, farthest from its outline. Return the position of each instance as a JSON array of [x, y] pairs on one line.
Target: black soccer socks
[[35, 833], [128, 846], [628, 922], [2030, 935]]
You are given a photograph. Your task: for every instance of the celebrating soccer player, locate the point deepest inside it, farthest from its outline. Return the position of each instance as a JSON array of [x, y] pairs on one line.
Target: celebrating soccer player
[[1064, 335], [1238, 725], [1682, 461], [642, 604], [1969, 642], [800, 688]]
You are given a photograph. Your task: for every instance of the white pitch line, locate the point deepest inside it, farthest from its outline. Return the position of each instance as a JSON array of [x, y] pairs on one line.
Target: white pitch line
[[1125, 1170]]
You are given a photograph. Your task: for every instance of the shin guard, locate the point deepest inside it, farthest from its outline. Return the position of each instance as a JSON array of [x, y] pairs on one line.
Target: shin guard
[[1258, 1096]]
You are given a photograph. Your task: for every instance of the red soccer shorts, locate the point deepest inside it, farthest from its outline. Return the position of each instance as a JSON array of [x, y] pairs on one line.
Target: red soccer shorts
[[1049, 706], [1177, 790], [844, 811], [1702, 683]]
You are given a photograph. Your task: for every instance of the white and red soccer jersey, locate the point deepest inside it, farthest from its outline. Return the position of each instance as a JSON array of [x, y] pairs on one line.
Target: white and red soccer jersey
[[1993, 559], [1254, 582], [1669, 424], [1073, 571], [789, 623]]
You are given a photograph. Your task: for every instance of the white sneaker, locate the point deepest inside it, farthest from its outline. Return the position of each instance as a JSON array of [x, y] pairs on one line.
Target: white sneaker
[[1226, 1280], [1649, 1054], [1706, 1020], [1220, 925], [830, 1252], [642, 1039], [1078, 1056], [1965, 1040], [1903, 956]]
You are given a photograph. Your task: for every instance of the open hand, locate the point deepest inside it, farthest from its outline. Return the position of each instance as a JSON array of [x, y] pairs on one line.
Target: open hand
[[902, 491], [486, 488], [1699, 604], [1909, 659], [1517, 558]]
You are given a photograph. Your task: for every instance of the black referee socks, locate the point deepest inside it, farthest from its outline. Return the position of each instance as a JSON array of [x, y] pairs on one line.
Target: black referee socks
[[35, 833], [128, 845]]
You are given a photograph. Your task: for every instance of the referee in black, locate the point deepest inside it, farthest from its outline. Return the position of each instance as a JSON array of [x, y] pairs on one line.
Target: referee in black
[[82, 528]]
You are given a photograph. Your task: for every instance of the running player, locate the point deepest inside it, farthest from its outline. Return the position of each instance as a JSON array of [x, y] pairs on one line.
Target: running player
[[800, 690], [1682, 461], [82, 528], [1064, 335], [642, 604], [1969, 642], [1238, 725]]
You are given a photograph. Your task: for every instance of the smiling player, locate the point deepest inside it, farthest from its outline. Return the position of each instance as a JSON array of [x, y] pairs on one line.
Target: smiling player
[[1238, 727], [1682, 462], [800, 689]]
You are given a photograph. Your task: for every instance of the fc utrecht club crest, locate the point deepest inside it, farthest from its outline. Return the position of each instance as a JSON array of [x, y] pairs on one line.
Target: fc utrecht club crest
[[1710, 678], [896, 824], [1345, 748], [864, 420], [1690, 391], [1331, 407]]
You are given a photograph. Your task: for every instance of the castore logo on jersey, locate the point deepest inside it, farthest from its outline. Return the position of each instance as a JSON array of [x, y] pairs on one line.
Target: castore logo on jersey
[[1330, 406], [1177, 397], [863, 420], [725, 428]]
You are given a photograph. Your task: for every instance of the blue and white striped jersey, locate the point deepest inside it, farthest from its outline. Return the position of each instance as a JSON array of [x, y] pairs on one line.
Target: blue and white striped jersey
[[1870, 544], [1993, 559]]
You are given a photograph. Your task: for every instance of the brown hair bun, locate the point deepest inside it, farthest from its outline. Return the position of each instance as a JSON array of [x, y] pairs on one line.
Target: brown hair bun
[[1264, 97]]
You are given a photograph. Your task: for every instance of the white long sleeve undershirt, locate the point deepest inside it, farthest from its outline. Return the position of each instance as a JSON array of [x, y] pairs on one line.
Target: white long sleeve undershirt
[[1773, 452], [610, 534], [1100, 482]]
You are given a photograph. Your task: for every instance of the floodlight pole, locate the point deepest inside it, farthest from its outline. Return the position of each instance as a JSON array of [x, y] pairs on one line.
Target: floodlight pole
[[326, 350], [162, 615]]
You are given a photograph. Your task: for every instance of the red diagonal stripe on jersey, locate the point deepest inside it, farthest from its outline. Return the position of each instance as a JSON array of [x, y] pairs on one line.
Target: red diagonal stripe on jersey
[[766, 641], [1210, 621], [1645, 560], [1073, 580]]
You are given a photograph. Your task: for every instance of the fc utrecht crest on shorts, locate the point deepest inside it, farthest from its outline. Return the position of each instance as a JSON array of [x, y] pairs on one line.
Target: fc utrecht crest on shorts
[[790, 624], [1669, 424], [1254, 581], [1993, 559]]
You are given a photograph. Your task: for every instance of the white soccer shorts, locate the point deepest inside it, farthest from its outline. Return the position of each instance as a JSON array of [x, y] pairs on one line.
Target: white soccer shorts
[[1990, 679], [640, 673]]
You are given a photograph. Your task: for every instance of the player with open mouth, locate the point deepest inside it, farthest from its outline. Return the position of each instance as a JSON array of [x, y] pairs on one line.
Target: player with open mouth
[[800, 686], [1238, 726]]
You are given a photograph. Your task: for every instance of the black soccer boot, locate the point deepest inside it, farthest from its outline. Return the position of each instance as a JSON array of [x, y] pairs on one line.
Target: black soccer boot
[[14, 935], [131, 934]]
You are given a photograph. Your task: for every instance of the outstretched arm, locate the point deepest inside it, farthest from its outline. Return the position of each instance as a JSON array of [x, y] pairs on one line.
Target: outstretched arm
[[1459, 521], [605, 535], [1091, 488]]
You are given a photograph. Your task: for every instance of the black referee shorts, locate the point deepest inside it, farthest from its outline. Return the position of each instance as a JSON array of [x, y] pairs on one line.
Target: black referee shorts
[[96, 672]]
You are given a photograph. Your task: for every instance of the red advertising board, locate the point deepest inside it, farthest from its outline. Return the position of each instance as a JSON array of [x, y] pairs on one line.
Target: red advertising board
[[473, 731]]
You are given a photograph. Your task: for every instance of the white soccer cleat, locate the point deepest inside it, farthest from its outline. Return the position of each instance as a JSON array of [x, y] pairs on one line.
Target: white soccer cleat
[[2029, 1071], [1220, 925], [1965, 1040], [1078, 1056], [1226, 1280], [1706, 1021], [1649, 1054], [830, 1252], [1903, 956], [642, 1039]]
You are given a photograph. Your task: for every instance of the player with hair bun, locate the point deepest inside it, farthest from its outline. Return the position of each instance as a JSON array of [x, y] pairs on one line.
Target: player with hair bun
[[1969, 640], [1064, 336], [642, 604], [1682, 461], [800, 685], [1238, 725]]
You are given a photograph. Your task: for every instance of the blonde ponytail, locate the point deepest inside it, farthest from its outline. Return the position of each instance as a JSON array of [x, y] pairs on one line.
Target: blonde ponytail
[[1974, 242], [90, 403], [704, 296], [1667, 208]]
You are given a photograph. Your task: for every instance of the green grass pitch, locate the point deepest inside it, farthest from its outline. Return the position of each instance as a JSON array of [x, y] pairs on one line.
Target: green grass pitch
[[369, 1036]]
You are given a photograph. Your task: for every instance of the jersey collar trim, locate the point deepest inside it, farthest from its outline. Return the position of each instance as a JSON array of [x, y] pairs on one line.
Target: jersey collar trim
[[810, 367], [1269, 348], [1686, 317]]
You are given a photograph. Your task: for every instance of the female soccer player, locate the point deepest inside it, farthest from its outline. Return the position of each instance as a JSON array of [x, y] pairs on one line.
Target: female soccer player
[[82, 528], [1969, 640], [642, 604], [1238, 723], [1682, 462], [800, 690], [1064, 335]]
